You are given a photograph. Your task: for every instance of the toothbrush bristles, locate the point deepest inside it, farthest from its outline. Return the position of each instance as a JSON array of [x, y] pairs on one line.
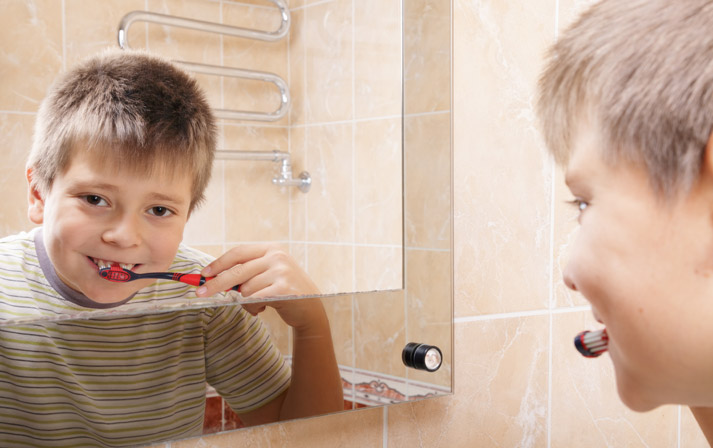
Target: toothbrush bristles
[[592, 343]]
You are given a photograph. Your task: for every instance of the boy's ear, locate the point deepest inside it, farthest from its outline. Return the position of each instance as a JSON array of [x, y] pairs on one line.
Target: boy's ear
[[36, 205]]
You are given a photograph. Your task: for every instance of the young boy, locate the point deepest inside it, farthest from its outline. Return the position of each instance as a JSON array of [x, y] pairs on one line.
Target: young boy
[[122, 154], [626, 106]]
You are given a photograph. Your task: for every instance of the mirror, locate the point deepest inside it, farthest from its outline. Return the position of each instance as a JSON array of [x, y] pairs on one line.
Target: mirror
[[370, 120]]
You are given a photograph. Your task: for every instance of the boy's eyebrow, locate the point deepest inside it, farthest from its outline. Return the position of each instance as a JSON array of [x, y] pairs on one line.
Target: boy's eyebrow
[[166, 198]]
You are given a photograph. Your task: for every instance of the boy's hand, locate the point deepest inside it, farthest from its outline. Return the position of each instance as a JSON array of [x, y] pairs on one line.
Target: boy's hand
[[264, 270]]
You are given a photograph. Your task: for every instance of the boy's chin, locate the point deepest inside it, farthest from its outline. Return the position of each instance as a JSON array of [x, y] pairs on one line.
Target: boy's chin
[[111, 293]]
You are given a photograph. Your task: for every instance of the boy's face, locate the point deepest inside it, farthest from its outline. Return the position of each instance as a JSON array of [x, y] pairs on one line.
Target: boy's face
[[94, 212], [646, 266]]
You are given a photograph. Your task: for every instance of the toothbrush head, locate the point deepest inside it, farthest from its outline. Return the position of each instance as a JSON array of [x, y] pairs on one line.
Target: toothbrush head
[[115, 274], [592, 343]]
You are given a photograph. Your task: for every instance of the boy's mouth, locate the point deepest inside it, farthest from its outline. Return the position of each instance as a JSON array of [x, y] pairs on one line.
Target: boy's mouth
[[107, 264]]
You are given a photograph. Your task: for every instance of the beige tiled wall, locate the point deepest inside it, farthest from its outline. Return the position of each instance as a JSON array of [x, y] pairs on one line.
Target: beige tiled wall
[[518, 381]]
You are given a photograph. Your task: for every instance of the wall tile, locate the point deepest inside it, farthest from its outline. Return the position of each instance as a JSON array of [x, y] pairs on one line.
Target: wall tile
[[255, 209], [92, 27], [298, 199], [329, 202], [328, 60], [206, 224], [378, 268], [377, 58], [378, 182], [502, 173], [297, 67], [501, 391], [16, 130], [427, 159], [180, 44], [31, 33], [691, 434], [331, 266], [353, 429], [427, 46], [379, 326], [429, 313], [271, 57]]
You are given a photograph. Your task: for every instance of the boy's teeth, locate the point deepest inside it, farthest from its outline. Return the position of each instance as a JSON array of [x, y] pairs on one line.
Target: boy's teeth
[[103, 264]]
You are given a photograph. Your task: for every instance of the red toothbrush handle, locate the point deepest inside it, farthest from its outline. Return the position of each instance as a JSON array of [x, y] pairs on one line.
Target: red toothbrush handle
[[197, 280]]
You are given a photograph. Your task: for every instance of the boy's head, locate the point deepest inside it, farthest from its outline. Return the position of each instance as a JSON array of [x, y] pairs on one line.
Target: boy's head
[[123, 150], [641, 71], [626, 106], [138, 111]]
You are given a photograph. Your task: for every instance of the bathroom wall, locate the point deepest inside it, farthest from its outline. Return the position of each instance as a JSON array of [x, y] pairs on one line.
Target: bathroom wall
[[518, 379]]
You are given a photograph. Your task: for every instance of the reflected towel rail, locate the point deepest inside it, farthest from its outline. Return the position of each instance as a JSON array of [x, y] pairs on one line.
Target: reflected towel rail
[[270, 36], [283, 178]]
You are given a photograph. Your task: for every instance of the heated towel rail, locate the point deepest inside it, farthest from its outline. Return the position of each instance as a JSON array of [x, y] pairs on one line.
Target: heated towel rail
[[284, 176]]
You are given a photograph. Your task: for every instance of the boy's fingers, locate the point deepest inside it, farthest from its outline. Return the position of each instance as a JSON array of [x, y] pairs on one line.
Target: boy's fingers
[[234, 275], [236, 255]]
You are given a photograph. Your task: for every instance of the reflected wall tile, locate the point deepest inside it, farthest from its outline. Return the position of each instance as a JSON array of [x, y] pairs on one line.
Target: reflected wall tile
[[328, 61], [502, 170], [331, 266], [378, 182], [297, 67], [569, 10], [253, 54], [298, 199], [329, 202], [585, 404], [429, 314], [378, 268], [92, 27], [501, 391], [255, 209], [207, 223], [379, 321], [377, 58], [361, 428], [429, 309], [427, 162], [427, 47], [31, 57], [691, 434], [214, 250], [182, 44], [16, 130]]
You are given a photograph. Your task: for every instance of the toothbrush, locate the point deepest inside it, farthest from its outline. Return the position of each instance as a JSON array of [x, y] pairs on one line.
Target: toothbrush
[[592, 343], [116, 273]]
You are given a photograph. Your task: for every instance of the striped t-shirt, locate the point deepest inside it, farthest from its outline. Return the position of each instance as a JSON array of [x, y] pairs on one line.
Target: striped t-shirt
[[121, 379]]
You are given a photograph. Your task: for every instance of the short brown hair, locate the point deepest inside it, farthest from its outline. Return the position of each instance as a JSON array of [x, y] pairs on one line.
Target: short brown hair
[[642, 71], [141, 108]]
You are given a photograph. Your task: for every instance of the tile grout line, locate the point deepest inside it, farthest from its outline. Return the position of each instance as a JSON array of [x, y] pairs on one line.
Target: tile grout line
[[552, 304]]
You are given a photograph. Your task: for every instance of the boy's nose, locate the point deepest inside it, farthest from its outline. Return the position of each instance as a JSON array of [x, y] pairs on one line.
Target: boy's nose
[[568, 276], [124, 232]]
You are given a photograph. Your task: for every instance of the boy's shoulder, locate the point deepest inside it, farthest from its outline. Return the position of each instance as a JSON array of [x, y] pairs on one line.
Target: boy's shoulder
[[18, 246], [188, 258]]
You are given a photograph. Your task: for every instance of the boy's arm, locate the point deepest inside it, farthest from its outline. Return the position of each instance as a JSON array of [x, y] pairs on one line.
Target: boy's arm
[[264, 271], [704, 417]]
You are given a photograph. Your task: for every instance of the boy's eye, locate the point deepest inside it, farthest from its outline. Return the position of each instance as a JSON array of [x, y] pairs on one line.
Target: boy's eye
[[160, 211], [95, 200], [580, 204]]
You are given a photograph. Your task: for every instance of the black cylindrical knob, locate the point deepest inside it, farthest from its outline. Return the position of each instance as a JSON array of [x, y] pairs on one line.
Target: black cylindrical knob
[[422, 356]]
